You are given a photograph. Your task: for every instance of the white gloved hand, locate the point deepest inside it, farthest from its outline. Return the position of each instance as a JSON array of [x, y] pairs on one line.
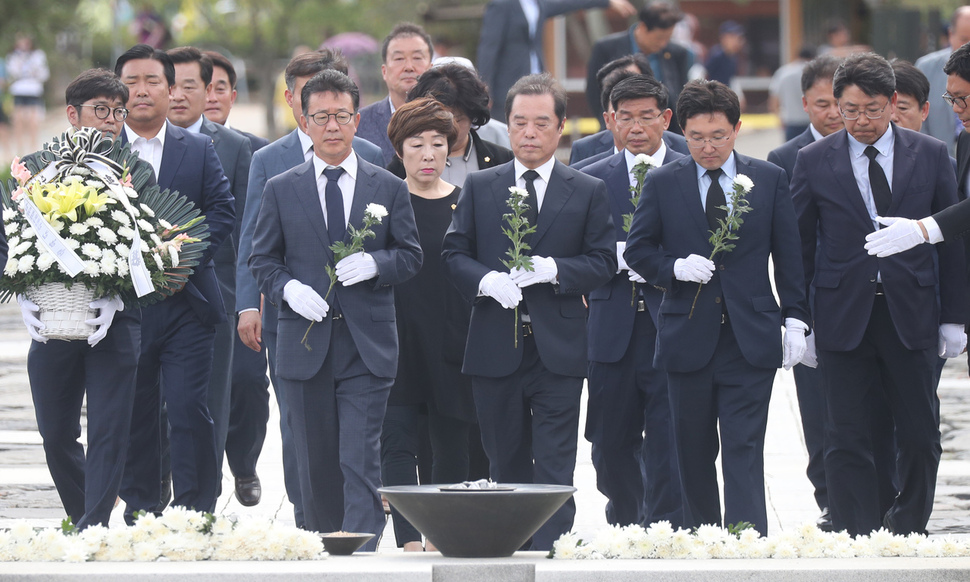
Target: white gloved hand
[[635, 277], [620, 261], [694, 269], [900, 234], [108, 306], [356, 268], [305, 301], [794, 342], [953, 340], [500, 287], [810, 358], [544, 270], [30, 312]]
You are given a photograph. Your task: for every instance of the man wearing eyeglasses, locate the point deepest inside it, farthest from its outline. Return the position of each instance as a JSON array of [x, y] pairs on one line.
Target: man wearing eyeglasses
[[628, 417], [103, 367], [719, 329], [337, 348], [885, 319]]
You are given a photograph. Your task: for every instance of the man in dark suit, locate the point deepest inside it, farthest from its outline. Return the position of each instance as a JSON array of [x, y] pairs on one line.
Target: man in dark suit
[[178, 333], [510, 45], [527, 391], [594, 148], [627, 395], [406, 54], [257, 319], [721, 351], [248, 396], [651, 36], [193, 77], [878, 318], [61, 373], [824, 119], [338, 391]]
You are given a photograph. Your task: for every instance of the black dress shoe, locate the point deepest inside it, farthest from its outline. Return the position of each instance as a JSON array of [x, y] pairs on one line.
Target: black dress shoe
[[165, 496], [824, 521], [248, 490]]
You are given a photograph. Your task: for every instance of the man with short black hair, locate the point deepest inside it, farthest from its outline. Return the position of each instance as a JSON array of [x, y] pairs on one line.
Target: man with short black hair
[[912, 96], [878, 318], [222, 96], [527, 387], [337, 393], [942, 123], [719, 338]]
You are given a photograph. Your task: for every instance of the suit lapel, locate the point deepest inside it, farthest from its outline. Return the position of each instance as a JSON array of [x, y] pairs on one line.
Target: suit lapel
[[963, 161], [365, 190], [306, 192], [688, 188], [840, 164], [172, 155], [558, 191], [291, 154], [904, 160]]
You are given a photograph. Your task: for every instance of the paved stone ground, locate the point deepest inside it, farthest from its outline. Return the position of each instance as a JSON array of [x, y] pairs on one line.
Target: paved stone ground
[[27, 492]]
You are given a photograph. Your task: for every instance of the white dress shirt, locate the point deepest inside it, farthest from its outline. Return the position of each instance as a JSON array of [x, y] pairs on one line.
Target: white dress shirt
[[728, 172], [860, 167], [150, 149], [541, 183], [658, 155], [306, 144], [347, 182]]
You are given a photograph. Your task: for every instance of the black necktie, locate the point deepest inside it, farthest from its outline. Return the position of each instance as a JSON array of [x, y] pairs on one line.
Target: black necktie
[[715, 199], [335, 204], [532, 213], [881, 193]]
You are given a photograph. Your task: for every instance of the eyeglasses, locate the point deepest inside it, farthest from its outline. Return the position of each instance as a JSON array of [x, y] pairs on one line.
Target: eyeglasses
[[323, 118], [103, 111], [644, 121], [952, 100], [699, 142], [870, 113]]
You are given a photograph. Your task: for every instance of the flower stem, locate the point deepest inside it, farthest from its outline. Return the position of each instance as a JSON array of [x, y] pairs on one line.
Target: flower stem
[[515, 326]]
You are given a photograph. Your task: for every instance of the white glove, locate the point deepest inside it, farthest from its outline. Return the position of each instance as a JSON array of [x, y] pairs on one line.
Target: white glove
[[30, 312], [900, 234], [305, 301], [810, 359], [694, 269], [500, 287], [620, 261], [953, 340], [544, 270], [635, 277], [356, 268], [108, 306], [795, 344]]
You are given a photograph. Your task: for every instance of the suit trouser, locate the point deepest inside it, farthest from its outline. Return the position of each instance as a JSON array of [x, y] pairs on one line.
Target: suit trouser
[[291, 471], [174, 365], [530, 427], [60, 373], [248, 409], [220, 387], [811, 407], [908, 379], [731, 394], [627, 400], [336, 419]]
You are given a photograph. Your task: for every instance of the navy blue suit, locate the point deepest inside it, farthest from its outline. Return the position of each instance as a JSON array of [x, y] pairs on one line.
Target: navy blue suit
[[627, 395], [373, 128], [527, 395], [720, 361], [890, 330], [602, 144], [177, 342]]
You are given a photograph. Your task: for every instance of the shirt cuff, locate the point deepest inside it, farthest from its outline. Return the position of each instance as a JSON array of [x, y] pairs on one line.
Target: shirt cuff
[[932, 230], [249, 309]]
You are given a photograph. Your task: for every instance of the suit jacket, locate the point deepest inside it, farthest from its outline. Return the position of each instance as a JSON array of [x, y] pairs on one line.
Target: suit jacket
[[235, 154], [574, 228], [274, 159], [673, 74], [487, 153], [611, 309], [373, 127], [291, 242], [670, 224], [833, 216], [255, 142], [191, 166], [784, 155], [940, 123], [601, 144], [505, 45]]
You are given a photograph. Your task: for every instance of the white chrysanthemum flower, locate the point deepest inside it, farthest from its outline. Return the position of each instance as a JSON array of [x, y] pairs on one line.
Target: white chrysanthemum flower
[[10, 269], [518, 191], [650, 161], [785, 550], [146, 210], [94, 222], [28, 232], [378, 211], [13, 241], [130, 192], [107, 235], [222, 526], [147, 551], [75, 552], [9, 214], [107, 266], [173, 255], [164, 223], [122, 266], [565, 546], [57, 226], [72, 244], [91, 250], [78, 228], [121, 217], [145, 225], [125, 232], [23, 247], [155, 239], [26, 264], [44, 261], [744, 182], [91, 268], [10, 228], [158, 261], [930, 549], [711, 534]]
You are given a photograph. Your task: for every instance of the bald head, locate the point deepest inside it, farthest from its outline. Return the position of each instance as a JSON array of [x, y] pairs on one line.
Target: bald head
[[960, 27]]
